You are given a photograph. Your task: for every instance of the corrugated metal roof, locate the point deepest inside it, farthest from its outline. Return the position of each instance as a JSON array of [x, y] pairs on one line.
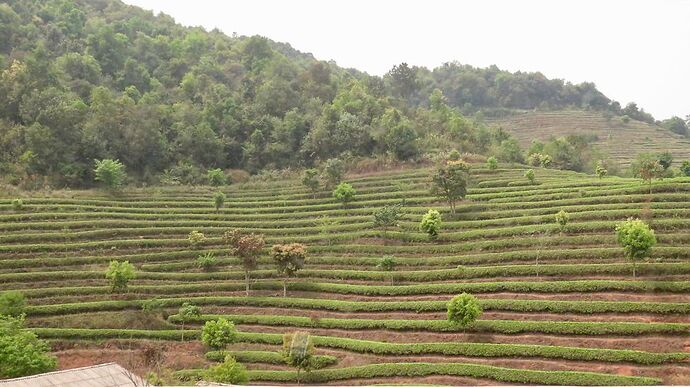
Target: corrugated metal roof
[[101, 375]]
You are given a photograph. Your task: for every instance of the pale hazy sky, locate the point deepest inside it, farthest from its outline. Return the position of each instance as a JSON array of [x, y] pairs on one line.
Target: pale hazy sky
[[633, 50]]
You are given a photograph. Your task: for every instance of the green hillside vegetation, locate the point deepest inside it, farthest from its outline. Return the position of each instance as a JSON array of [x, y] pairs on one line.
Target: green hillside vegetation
[[617, 140], [559, 300], [97, 80]]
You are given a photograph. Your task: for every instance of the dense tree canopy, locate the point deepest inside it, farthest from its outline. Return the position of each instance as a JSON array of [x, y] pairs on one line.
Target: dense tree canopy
[[93, 80]]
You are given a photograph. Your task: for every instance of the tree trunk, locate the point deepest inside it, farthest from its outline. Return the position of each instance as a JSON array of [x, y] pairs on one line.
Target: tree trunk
[[246, 281], [284, 287], [183, 331], [634, 271]]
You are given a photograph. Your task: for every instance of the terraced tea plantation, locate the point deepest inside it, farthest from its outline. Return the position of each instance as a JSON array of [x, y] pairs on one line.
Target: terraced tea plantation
[[560, 306], [619, 141]]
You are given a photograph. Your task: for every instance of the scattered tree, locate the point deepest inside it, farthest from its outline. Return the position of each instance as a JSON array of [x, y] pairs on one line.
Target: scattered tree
[[310, 179], [685, 168], [206, 261], [387, 264], [229, 372], [636, 238], [218, 200], [289, 258], [111, 173], [387, 216], [647, 167], [601, 170], [463, 309], [450, 182], [247, 248], [529, 174], [562, 219], [298, 351], [153, 307], [17, 204], [344, 193], [119, 274], [218, 333], [333, 170], [12, 303], [431, 224], [665, 160], [196, 239], [216, 177], [454, 155], [21, 352], [187, 312], [492, 163]]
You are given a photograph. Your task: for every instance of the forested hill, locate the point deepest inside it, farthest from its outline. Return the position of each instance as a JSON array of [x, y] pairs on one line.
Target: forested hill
[[84, 80]]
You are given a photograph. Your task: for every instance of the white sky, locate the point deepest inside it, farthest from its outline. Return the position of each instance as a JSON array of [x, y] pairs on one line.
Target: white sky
[[633, 50]]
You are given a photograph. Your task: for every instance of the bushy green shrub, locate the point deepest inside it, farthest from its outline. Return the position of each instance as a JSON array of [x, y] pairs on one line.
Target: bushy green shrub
[[216, 177], [229, 371], [218, 333], [12, 303], [463, 309], [196, 239], [21, 352], [119, 274], [206, 261], [344, 193], [111, 173], [431, 224]]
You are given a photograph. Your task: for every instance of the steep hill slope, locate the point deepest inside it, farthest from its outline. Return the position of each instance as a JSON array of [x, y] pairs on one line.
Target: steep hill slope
[[619, 140], [561, 307]]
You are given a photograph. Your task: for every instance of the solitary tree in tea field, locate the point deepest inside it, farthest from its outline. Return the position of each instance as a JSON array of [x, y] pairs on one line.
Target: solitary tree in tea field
[[289, 258], [463, 309], [637, 240], [298, 351], [247, 248], [450, 182]]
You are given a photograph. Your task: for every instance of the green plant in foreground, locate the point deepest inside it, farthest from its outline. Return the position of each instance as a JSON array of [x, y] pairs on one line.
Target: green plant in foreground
[[21, 352], [229, 371], [431, 224], [463, 309], [636, 238]]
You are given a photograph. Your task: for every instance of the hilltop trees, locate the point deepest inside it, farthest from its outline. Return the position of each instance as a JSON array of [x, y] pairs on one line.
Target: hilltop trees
[[450, 182], [163, 97], [636, 238], [289, 259]]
